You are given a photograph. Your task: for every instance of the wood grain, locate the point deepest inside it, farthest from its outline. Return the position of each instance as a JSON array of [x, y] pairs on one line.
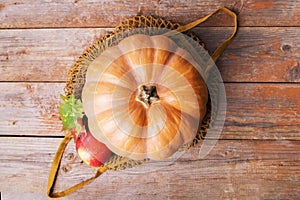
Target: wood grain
[[258, 153], [42, 54], [255, 55], [262, 111], [30, 109], [254, 111], [77, 13], [272, 168]]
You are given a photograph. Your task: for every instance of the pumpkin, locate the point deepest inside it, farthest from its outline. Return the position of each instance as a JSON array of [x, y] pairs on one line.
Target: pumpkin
[[145, 97]]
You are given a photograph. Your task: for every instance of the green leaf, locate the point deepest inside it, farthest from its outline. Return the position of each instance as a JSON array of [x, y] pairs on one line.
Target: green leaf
[[70, 109]]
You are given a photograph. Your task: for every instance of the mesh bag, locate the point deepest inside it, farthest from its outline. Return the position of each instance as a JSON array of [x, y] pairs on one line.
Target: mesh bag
[[76, 80]]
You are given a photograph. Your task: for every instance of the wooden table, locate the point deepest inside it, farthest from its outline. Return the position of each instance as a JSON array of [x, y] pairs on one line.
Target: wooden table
[[258, 153]]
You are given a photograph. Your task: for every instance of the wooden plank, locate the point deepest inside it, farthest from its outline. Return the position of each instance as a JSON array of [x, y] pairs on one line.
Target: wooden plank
[[256, 54], [254, 111], [233, 169], [30, 109], [262, 111], [42, 55], [38, 14]]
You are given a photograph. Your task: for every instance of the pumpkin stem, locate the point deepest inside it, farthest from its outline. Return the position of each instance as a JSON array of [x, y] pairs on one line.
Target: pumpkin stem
[[147, 94]]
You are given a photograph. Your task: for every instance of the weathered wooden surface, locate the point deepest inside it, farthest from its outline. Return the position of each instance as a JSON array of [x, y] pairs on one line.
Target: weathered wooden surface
[[105, 13], [233, 169], [256, 55], [257, 155]]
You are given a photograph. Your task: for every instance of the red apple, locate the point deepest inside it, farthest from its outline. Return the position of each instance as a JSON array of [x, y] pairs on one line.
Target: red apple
[[90, 150]]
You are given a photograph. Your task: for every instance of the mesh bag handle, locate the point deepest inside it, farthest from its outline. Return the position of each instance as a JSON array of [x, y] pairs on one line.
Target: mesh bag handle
[[222, 47], [59, 153], [54, 170]]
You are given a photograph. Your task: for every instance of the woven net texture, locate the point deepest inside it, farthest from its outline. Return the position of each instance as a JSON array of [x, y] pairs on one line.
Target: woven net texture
[[138, 24]]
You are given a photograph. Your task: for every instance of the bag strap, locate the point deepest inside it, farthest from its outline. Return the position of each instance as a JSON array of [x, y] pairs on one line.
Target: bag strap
[[222, 47], [54, 169]]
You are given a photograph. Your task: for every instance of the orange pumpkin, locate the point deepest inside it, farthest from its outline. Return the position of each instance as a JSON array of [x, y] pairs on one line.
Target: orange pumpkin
[[144, 97]]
